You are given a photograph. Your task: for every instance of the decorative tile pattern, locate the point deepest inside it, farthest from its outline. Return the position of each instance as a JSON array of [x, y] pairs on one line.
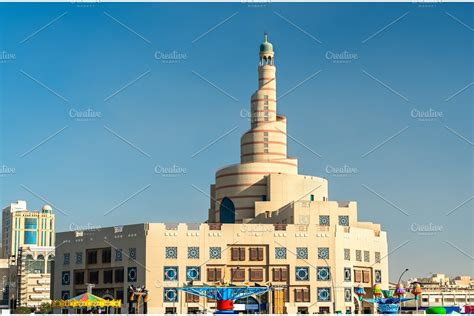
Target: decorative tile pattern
[[67, 258], [66, 278], [171, 252], [377, 257], [366, 256], [132, 253], [215, 252], [170, 294], [324, 220], [193, 273], [280, 252], [132, 274], [347, 254], [302, 273], [170, 273], [347, 274], [78, 257], [302, 253], [378, 276], [324, 294], [323, 273], [65, 295], [193, 252], [347, 294], [118, 254], [323, 253], [344, 220], [358, 255]]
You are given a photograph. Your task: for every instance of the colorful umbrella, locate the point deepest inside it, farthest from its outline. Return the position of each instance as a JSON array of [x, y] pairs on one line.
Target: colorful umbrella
[[399, 291]]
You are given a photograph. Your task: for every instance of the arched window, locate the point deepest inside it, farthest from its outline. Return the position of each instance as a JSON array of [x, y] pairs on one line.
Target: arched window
[[30, 263], [270, 60], [264, 60], [39, 264], [227, 211]]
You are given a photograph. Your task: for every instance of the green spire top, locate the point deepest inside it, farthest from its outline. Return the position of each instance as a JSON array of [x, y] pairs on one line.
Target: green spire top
[[266, 46]]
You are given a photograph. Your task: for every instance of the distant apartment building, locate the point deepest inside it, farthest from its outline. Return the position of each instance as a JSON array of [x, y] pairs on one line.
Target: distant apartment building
[[28, 247], [21, 227]]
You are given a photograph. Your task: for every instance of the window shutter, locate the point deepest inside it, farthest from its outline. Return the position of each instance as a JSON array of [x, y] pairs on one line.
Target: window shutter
[[211, 274], [306, 295], [242, 254], [253, 254], [284, 274], [235, 254], [366, 277], [298, 295], [276, 274], [259, 254], [358, 276], [218, 272]]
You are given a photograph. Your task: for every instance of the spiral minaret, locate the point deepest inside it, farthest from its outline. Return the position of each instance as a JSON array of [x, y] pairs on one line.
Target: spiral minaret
[[263, 151]]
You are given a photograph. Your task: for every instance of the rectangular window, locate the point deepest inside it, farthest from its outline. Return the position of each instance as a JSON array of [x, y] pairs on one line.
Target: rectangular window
[[214, 274], [238, 254], [106, 255], [78, 277], [358, 255], [347, 254], [91, 256], [302, 295], [366, 276], [265, 133], [30, 237], [66, 258], [237, 275], [108, 276], [119, 274], [357, 276], [256, 253], [366, 256], [256, 275], [311, 197], [31, 223], [280, 274], [377, 257], [191, 298], [94, 277]]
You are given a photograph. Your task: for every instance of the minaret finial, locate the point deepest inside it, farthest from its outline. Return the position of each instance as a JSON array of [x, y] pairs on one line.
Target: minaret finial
[[265, 37]]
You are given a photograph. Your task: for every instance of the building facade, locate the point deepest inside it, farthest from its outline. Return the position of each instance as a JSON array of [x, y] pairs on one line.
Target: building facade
[[28, 239], [21, 227], [266, 224]]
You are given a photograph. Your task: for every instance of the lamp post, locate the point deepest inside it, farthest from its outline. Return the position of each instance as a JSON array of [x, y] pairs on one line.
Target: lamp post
[[398, 285]]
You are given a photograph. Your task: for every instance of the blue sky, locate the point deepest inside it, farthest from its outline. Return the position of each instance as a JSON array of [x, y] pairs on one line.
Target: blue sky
[[404, 59]]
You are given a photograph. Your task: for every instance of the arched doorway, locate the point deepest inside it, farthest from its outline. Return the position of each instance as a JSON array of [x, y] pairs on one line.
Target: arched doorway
[[227, 211]]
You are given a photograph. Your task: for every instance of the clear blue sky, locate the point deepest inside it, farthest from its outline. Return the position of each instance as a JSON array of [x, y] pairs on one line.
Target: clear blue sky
[[410, 57]]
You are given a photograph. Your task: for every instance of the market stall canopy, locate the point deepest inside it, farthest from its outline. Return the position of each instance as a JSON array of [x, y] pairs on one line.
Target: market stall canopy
[[86, 300]]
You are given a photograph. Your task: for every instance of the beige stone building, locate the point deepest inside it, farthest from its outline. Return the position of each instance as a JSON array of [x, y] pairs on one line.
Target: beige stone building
[[266, 224]]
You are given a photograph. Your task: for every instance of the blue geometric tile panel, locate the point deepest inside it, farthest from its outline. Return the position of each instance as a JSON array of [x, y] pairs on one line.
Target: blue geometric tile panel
[[302, 253], [323, 253], [324, 220], [193, 252], [323, 273], [78, 257], [378, 276], [66, 278], [347, 274], [344, 220], [302, 273], [170, 273], [348, 294], [215, 252], [118, 254], [132, 253], [171, 252], [132, 274], [324, 294], [193, 273], [280, 253], [170, 294]]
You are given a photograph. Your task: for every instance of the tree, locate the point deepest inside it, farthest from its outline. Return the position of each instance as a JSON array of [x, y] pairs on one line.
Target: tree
[[45, 308]]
